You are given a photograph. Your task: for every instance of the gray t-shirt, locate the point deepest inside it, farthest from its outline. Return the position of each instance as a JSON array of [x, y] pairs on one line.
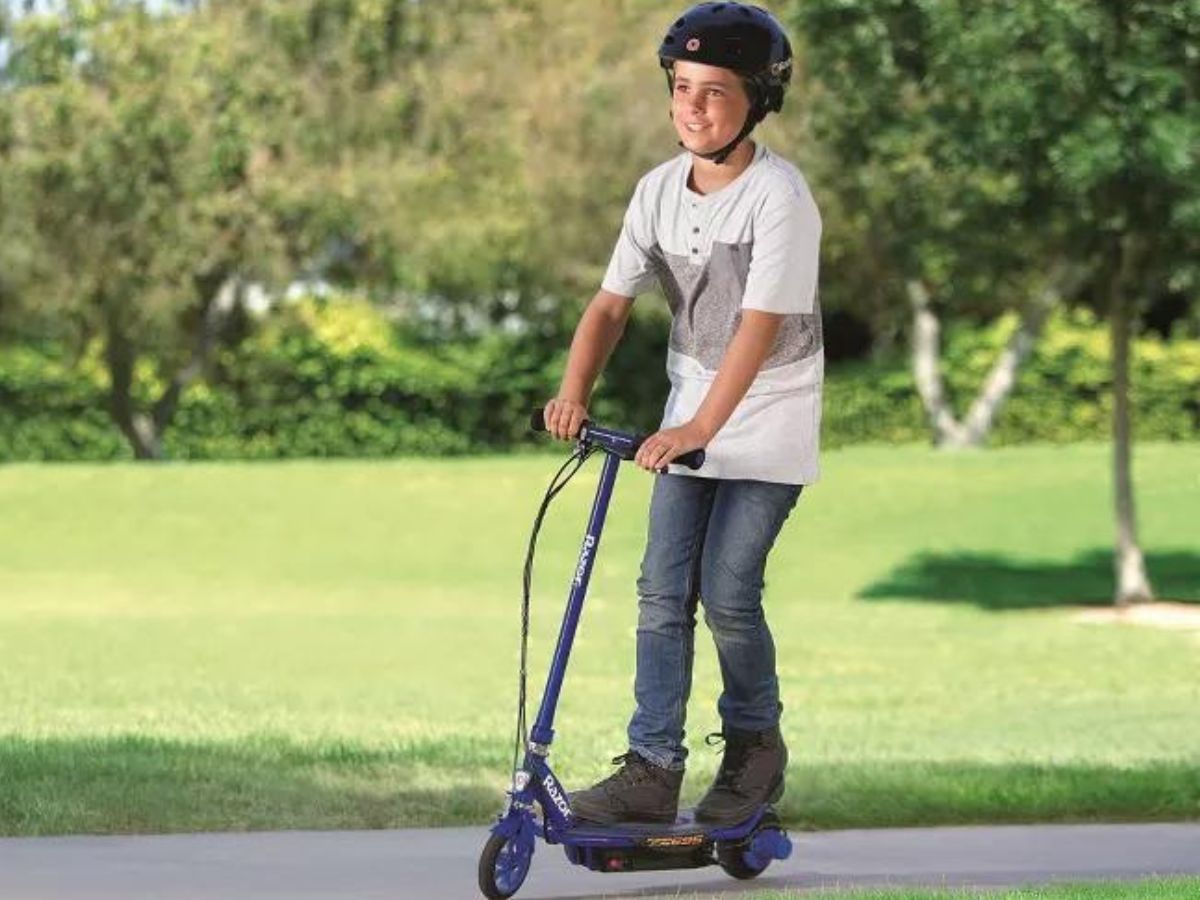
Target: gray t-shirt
[[753, 244]]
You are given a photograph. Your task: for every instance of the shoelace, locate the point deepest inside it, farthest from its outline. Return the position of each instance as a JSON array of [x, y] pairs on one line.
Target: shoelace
[[634, 770], [733, 761]]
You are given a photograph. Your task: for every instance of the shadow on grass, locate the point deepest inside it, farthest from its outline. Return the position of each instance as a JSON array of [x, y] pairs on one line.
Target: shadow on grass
[[132, 784], [128, 785], [995, 582]]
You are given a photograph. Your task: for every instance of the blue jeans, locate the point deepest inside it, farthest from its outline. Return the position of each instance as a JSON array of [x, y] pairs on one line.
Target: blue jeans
[[708, 543]]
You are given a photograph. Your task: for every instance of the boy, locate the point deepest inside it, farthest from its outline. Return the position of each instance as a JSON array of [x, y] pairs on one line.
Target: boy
[[731, 233]]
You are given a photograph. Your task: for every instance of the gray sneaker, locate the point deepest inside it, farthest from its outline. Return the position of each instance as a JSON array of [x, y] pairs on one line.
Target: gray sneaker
[[750, 776], [639, 791]]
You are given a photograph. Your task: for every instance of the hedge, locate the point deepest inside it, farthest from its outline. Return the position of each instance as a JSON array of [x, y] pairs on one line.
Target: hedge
[[336, 379], [1063, 392]]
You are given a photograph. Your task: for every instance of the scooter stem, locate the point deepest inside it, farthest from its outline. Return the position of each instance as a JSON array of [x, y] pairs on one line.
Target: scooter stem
[[543, 726]]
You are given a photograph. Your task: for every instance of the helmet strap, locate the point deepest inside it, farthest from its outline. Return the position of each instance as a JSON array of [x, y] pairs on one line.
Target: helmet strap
[[719, 156]]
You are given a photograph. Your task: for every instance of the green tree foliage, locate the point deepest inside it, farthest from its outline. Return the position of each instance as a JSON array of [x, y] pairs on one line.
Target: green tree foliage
[[1082, 116], [484, 165], [909, 196], [137, 167], [923, 222], [465, 163], [975, 146]]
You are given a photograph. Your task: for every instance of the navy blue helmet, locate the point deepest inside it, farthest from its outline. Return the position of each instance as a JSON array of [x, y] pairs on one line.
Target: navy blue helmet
[[746, 39]]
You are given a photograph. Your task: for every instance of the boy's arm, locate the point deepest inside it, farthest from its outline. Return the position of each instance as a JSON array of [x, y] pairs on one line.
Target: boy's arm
[[749, 348], [599, 329]]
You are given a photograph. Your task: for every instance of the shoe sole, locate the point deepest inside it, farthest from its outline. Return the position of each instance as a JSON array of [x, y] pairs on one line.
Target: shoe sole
[[603, 816], [617, 820]]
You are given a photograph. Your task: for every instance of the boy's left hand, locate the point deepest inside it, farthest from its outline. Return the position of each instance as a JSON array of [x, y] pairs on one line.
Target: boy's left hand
[[663, 446]]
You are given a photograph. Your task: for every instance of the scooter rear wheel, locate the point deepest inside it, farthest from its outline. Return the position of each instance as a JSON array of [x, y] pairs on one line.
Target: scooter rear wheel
[[732, 858], [503, 865], [732, 855]]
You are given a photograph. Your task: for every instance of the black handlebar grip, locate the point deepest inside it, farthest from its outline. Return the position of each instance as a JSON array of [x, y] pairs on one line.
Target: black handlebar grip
[[693, 460]]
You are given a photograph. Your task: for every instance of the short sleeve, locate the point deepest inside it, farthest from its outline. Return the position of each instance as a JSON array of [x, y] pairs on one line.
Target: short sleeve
[[784, 259], [629, 271]]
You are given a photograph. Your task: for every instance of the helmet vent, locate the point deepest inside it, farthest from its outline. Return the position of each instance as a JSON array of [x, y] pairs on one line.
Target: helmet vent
[[679, 23]]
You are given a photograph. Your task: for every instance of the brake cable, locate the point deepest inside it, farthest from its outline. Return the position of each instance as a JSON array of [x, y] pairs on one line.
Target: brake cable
[[576, 460]]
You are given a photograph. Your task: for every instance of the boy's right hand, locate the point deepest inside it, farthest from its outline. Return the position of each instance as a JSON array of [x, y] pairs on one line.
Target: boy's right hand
[[564, 418]]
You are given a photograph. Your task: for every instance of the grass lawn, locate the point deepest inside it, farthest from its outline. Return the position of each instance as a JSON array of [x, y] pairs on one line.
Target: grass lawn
[[1151, 889], [333, 644]]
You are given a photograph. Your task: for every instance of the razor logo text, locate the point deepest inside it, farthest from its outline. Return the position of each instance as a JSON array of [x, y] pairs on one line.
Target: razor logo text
[[556, 796], [588, 543]]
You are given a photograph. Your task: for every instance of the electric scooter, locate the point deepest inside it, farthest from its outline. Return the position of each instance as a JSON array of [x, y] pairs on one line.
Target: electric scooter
[[743, 850]]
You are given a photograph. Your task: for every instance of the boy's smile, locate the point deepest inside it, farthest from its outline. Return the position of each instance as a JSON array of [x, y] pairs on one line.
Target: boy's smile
[[709, 106]]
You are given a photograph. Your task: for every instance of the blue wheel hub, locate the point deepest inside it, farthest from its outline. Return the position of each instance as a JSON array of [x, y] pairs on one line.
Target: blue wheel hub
[[767, 845], [512, 863], [507, 856]]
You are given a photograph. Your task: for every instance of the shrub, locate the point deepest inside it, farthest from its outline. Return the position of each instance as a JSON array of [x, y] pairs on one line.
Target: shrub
[[336, 378]]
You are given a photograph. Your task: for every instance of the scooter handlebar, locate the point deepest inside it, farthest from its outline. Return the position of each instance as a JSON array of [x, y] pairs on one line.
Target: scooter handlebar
[[693, 459]]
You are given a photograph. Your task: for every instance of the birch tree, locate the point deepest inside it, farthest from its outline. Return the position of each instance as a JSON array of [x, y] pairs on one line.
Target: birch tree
[[952, 230], [1087, 112]]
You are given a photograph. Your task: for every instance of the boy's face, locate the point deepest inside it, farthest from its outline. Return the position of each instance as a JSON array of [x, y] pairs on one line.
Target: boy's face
[[709, 106]]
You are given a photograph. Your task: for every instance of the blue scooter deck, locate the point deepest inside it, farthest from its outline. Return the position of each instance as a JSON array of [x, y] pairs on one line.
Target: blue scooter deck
[[684, 826]]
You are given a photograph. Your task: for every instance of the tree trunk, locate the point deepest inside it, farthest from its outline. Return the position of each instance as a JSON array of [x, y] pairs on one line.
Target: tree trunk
[[220, 297], [1003, 376], [1132, 583], [949, 432], [119, 353], [927, 370], [144, 432]]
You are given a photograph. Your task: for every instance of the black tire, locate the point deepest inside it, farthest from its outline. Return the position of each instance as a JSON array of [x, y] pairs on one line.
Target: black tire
[[734, 863], [492, 871]]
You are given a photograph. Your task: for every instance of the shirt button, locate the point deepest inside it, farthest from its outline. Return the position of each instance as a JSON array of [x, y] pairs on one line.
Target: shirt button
[[695, 231], [696, 251]]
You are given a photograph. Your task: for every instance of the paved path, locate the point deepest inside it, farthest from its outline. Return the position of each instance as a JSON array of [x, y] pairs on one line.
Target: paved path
[[439, 864]]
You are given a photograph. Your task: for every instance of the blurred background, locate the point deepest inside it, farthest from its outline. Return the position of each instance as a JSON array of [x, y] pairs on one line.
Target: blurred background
[[364, 229]]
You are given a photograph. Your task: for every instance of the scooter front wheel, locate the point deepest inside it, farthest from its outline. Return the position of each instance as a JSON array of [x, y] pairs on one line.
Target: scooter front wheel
[[503, 865]]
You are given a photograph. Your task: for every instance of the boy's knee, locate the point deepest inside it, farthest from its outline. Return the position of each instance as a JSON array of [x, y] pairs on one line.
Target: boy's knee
[[663, 606], [731, 581], [735, 625]]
